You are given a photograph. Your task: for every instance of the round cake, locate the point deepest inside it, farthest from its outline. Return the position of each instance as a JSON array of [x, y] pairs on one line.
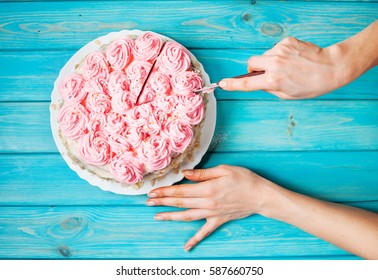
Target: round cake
[[128, 112]]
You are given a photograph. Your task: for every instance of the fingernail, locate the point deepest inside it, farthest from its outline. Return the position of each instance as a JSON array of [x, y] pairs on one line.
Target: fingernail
[[152, 194], [188, 248], [222, 84], [188, 172], [159, 218], [151, 203]]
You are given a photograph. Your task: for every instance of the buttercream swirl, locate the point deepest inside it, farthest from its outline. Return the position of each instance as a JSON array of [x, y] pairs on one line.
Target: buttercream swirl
[[71, 88], [138, 116], [96, 65], [97, 121], [138, 71], [174, 59], [126, 168], [94, 149], [122, 102], [159, 83], [98, 102], [186, 82], [147, 95], [193, 106], [73, 119], [115, 123], [119, 144], [179, 133], [96, 85], [117, 82], [155, 153], [147, 47], [119, 53]]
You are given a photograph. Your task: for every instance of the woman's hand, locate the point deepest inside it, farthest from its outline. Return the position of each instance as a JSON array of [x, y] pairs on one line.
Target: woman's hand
[[293, 70], [224, 193]]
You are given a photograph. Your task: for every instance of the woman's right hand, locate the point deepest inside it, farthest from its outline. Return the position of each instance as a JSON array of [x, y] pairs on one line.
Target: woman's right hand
[[293, 70]]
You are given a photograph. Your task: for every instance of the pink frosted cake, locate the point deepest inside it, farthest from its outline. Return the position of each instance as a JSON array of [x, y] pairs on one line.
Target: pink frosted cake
[[119, 130]]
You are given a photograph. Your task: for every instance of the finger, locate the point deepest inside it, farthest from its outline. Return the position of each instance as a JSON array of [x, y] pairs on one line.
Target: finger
[[256, 63], [245, 84], [179, 202], [211, 224], [187, 215], [200, 175], [184, 190]]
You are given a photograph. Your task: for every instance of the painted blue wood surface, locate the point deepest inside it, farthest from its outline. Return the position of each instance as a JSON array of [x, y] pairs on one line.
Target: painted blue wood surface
[[326, 148], [29, 76]]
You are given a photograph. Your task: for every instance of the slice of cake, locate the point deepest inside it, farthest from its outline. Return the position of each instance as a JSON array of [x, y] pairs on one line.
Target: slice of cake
[[116, 130]]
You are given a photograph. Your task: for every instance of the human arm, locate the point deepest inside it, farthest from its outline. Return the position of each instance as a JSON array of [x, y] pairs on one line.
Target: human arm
[[226, 193], [295, 69]]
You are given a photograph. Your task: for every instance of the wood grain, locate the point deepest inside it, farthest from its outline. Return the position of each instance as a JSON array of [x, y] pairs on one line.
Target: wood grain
[[241, 126], [30, 76], [45, 179], [208, 24], [131, 232]]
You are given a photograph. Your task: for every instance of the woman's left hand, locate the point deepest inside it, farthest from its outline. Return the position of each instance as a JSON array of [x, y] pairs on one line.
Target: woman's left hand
[[224, 193]]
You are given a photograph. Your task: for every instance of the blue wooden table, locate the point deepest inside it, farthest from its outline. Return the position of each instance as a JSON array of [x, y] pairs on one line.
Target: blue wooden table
[[325, 147]]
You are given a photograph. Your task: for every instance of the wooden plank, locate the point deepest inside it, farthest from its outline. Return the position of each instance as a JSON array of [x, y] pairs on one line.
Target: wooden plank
[[131, 232], [45, 179], [240, 24], [30, 76], [241, 126]]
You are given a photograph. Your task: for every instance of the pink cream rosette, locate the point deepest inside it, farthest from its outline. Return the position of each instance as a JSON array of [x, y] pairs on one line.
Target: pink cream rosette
[[117, 82], [147, 47], [126, 168], [94, 149], [191, 106], [98, 102], [174, 59], [119, 53], [147, 94], [136, 135], [159, 83], [97, 121], [119, 144], [71, 88], [155, 153], [73, 119], [122, 102], [179, 133], [98, 85], [115, 124], [139, 115], [137, 73], [186, 82], [96, 65]]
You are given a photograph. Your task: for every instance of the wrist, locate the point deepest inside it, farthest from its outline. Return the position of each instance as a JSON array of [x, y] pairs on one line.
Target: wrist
[[342, 63]]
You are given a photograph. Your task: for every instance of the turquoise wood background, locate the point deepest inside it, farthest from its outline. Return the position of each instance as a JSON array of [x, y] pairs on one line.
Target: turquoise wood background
[[325, 147]]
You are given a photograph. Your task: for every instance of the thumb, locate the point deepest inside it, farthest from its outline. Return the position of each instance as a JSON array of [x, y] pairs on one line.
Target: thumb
[[200, 175]]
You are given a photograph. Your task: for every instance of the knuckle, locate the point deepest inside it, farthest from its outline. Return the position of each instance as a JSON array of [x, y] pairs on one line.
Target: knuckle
[[211, 204], [187, 218], [289, 40], [178, 203], [201, 173], [177, 191]]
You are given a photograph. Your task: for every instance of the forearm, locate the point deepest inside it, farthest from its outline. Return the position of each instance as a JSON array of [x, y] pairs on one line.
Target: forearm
[[351, 229], [356, 55]]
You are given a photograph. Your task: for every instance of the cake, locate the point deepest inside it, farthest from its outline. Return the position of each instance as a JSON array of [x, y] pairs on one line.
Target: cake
[[128, 113]]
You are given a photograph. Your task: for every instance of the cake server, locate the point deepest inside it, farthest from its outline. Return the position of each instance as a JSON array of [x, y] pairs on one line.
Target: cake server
[[216, 85]]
